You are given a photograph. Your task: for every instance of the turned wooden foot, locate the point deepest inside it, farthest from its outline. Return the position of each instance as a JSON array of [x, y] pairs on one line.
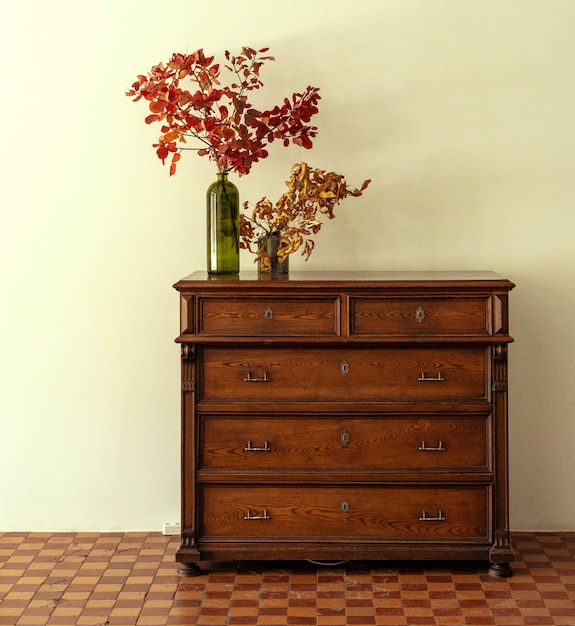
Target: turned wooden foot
[[500, 570], [189, 569]]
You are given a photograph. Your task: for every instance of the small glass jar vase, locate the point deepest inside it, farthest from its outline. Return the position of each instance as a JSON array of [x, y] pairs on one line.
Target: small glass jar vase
[[223, 226], [269, 262]]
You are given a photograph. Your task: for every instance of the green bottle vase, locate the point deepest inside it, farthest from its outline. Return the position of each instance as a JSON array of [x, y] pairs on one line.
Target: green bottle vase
[[223, 236]]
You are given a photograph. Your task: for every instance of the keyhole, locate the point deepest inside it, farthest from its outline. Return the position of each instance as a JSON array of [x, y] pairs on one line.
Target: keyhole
[[419, 315]]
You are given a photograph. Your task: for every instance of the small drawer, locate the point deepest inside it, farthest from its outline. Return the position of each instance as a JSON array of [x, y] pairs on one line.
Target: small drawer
[[264, 316], [374, 316], [373, 374], [288, 513], [345, 444]]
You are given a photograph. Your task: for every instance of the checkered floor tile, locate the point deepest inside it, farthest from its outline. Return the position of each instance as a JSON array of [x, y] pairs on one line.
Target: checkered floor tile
[[131, 579]]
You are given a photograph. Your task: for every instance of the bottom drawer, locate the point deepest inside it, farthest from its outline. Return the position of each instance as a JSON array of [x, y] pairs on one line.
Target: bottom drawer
[[316, 512]]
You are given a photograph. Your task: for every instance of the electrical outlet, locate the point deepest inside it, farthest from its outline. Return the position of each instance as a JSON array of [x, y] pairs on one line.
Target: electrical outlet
[[171, 528]]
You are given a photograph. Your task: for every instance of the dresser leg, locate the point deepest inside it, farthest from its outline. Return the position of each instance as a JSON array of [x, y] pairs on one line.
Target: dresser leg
[[189, 569], [501, 570]]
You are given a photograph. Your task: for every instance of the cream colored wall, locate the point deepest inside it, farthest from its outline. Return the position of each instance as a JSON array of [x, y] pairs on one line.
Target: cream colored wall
[[462, 113]]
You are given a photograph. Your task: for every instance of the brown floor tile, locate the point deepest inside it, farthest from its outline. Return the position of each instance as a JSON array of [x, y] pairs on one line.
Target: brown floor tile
[[131, 579]]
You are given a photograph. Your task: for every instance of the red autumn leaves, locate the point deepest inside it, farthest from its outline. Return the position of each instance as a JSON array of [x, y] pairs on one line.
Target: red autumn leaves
[[221, 120]]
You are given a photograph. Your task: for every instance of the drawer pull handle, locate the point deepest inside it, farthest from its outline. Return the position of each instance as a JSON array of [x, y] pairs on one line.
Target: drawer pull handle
[[439, 448], [419, 314], [427, 378], [250, 448], [268, 314], [249, 517], [440, 517], [249, 378]]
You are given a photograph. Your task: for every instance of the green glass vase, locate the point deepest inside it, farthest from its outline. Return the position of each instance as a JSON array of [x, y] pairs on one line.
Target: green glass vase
[[223, 243]]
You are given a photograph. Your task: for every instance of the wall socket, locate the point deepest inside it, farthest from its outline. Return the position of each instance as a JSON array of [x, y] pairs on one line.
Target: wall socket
[[171, 528]]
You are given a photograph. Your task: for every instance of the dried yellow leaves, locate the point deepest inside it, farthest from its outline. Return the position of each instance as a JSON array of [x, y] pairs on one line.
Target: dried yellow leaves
[[297, 215]]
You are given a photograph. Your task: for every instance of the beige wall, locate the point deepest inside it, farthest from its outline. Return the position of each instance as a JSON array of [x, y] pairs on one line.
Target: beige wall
[[462, 113]]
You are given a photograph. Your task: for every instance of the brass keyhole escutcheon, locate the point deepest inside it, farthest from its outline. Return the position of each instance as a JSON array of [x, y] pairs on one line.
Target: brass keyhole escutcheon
[[344, 507], [268, 314], [344, 368], [344, 438], [419, 315]]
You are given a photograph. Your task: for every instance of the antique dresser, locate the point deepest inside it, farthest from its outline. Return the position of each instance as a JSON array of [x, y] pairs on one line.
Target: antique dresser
[[344, 416]]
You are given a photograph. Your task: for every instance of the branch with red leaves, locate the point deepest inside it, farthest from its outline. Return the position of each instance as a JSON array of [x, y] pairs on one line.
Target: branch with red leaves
[[228, 129]]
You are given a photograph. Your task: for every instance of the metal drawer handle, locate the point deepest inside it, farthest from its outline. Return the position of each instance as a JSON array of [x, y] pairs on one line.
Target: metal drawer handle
[[440, 517], [250, 448], [439, 448], [248, 516], [250, 379], [425, 377]]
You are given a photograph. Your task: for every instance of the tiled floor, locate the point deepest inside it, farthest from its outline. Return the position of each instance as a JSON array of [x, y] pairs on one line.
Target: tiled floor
[[131, 578]]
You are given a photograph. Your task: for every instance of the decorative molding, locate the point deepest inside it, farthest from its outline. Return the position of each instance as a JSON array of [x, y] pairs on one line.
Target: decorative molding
[[188, 351], [188, 540], [188, 367], [500, 368], [501, 539]]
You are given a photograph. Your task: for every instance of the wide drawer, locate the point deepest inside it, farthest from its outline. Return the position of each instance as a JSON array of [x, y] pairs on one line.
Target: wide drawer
[[344, 444], [268, 316], [375, 374], [380, 316], [296, 512]]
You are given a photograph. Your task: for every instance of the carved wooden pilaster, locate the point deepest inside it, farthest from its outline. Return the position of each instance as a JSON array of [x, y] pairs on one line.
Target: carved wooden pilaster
[[188, 552], [188, 367], [501, 554], [500, 368]]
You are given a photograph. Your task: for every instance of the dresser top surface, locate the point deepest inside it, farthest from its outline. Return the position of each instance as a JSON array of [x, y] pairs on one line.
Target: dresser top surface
[[338, 278]]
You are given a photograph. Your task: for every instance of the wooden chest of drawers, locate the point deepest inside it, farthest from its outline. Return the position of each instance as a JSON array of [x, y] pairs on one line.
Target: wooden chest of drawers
[[332, 416]]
